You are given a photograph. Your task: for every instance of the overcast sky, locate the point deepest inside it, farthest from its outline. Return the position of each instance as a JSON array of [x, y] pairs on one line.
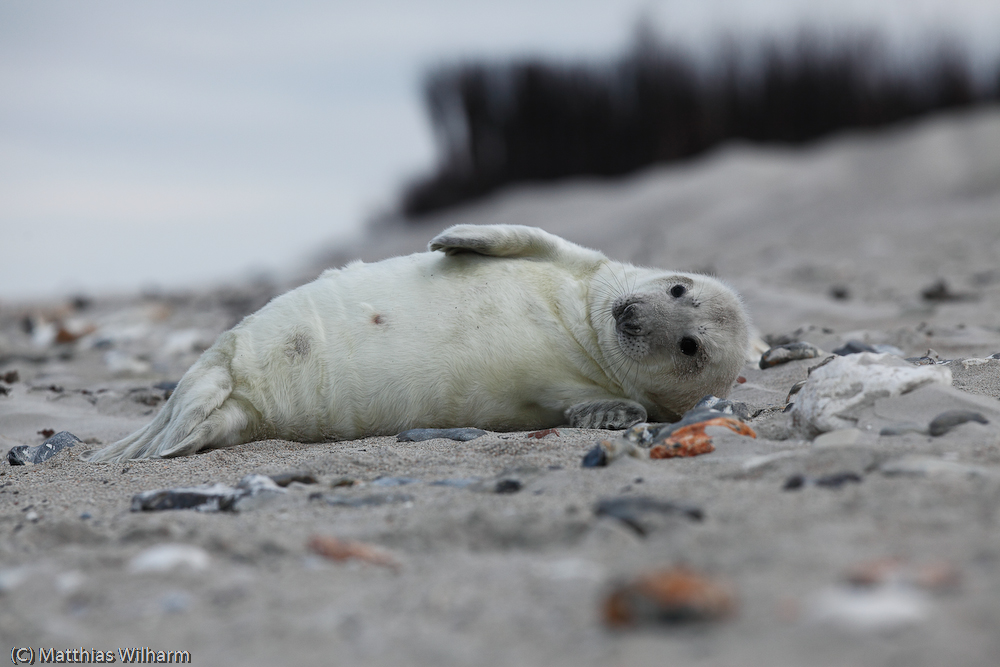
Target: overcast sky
[[177, 143]]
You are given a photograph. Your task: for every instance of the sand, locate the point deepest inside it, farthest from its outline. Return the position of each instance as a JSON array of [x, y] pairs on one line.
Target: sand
[[520, 578]]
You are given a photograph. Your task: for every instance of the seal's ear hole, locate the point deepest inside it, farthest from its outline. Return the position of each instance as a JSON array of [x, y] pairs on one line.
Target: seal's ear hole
[[677, 291], [689, 346]]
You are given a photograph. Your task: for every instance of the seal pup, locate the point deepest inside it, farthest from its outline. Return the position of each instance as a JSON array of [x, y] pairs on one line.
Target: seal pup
[[500, 327]]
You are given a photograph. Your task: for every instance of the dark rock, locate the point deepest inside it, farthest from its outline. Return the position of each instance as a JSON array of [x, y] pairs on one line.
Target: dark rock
[[286, 478], [854, 347], [840, 292], [946, 421], [940, 292], [208, 498], [421, 434], [214, 497], [794, 482], [10, 377], [639, 512], [4, 390], [837, 479], [782, 354], [508, 486], [22, 454], [81, 302], [831, 481], [595, 458]]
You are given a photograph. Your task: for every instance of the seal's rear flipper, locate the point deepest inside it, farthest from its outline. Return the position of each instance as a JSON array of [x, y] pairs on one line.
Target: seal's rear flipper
[[509, 241], [198, 415]]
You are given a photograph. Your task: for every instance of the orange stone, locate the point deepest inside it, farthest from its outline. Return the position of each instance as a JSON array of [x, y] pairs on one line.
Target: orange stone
[[692, 440]]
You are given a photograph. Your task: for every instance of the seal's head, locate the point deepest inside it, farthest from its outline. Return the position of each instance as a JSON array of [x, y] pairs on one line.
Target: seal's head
[[676, 337]]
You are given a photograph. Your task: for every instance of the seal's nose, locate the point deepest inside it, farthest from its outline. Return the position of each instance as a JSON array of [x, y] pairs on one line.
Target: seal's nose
[[627, 319]]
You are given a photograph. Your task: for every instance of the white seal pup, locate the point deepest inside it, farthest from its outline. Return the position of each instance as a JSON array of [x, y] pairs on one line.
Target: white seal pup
[[506, 328]]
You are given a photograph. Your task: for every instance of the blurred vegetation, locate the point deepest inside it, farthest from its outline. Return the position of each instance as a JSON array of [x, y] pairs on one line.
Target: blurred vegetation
[[529, 120]]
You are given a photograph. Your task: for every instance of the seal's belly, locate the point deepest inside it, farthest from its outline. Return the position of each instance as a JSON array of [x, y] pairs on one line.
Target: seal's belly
[[409, 342]]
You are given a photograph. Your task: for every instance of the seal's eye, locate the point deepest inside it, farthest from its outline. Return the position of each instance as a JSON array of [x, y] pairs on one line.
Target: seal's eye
[[677, 291], [689, 346]]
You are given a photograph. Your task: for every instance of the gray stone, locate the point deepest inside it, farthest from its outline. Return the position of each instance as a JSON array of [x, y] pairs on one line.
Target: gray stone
[[643, 513], [948, 420], [368, 501], [930, 466], [421, 434], [782, 354], [23, 454]]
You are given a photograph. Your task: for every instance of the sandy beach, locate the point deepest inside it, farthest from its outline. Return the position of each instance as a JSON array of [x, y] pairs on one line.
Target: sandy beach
[[850, 548]]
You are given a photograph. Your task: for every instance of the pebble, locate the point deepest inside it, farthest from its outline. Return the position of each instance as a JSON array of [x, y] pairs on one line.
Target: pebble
[[946, 421], [782, 354], [508, 486], [24, 454], [251, 491], [69, 582], [671, 596], [421, 434], [854, 347], [929, 466], [337, 549], [206, 498], [937, 577], [257, 490], [639, 512], [286, 478], [165, 557], [940, 292], [12, 577], [831, 481], [883, 608]]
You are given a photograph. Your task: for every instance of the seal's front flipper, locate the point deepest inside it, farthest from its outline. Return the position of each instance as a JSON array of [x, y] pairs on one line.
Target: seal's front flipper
[[496, 241], [509, 241], [610, 414]]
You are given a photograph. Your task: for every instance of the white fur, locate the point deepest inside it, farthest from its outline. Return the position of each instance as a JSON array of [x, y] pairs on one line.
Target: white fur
[[505, 331]]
